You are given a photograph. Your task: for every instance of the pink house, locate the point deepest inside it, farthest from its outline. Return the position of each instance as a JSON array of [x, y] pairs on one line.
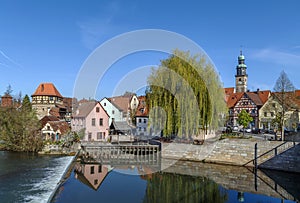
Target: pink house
[[91, 175], [91, 117]]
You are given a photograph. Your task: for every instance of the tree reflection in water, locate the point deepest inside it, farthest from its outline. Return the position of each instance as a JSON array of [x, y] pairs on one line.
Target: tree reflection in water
[[168, 187]]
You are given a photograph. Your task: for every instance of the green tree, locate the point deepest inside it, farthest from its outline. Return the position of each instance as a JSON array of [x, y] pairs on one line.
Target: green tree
[[20, 128], [283, 87], [244, 119], [189, 95], [26, 105]]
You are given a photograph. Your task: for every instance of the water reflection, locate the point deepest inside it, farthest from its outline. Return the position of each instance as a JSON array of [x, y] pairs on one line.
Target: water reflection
[[181, 182], [91, 175], [169, 187]]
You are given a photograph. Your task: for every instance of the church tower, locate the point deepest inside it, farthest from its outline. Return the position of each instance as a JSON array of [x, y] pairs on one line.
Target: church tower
[[241, 76]]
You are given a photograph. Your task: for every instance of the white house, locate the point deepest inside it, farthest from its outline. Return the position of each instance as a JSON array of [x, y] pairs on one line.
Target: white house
[[114, 112]]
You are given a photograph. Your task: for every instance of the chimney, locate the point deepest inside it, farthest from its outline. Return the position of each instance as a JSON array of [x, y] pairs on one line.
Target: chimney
[[257, 91]]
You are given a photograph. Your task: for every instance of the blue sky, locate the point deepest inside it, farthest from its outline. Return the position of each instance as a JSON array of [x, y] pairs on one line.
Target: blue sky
[[48, 41]]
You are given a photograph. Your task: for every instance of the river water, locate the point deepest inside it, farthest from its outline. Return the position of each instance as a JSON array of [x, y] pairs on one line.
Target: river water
[[32, 178], [25, 177]]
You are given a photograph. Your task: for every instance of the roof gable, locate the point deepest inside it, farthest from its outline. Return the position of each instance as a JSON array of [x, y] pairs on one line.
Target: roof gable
[[255, 98], [121, 102], [234, 98], [62, 126], [84, 109], [47, 89], [142, 109]]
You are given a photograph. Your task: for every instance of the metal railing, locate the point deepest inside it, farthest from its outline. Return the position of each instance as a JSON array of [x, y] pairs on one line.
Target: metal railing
[[271, 153]]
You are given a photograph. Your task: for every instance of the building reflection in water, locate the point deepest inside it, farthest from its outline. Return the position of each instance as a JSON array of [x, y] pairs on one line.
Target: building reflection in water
[[91, 174]]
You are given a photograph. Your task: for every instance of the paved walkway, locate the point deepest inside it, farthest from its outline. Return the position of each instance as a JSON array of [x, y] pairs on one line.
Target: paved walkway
[[286, 161]]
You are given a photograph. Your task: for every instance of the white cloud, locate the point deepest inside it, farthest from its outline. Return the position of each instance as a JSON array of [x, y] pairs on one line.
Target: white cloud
[[97, 29], [279, 57], [8, 62]]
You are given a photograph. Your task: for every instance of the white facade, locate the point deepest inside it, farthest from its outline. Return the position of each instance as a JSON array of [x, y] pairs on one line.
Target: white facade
[[113, 112]]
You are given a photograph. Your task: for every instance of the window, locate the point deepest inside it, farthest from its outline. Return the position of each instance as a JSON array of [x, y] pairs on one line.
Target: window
[[104, 104], [95, 181], [145, 120], [113, 112], [99, 135], [142, 110], [265, 114], [140, 120], [99, 168], [51, 98], [101, 121], [92, 169], [97, 109], [274, 105], [140, 129], [93, 121], [90, 136], [272, 114], [144, 129]]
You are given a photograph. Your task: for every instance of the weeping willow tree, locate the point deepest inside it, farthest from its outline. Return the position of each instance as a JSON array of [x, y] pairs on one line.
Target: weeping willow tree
[[168, 187], [185, 96]]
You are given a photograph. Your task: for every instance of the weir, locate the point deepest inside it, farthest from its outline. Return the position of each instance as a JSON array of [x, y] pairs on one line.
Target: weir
[[121, 154]]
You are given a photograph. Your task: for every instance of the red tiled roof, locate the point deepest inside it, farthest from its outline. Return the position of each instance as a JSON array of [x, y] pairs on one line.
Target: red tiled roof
[[228, 91], [47, 89], [54, 111], [234, 98], [61, 125], [264, 95], [45, 120], [142, 109], [255, 98]]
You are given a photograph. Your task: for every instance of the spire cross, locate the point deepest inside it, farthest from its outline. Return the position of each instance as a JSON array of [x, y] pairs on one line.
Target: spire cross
[[241, 52]]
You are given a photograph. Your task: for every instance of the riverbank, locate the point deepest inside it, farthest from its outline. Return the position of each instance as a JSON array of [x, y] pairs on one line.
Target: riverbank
[[236, 152]]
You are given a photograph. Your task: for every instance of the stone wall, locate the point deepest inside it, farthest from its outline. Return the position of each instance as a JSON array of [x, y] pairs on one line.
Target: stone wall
[[228, 151]]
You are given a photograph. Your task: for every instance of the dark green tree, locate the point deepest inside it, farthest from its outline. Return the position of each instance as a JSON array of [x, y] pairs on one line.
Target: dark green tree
[[20, 128], [244, 119], [26, 105]]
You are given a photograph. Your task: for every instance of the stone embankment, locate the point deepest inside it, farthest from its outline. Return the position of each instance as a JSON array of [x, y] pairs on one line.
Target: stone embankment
[[239, 152], [230, 177]]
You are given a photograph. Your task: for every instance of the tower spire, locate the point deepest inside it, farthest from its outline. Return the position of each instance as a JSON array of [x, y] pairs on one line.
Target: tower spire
[[241, 76]]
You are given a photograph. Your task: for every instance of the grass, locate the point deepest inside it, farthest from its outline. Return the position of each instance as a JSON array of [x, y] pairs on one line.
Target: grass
[[234, 135]]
